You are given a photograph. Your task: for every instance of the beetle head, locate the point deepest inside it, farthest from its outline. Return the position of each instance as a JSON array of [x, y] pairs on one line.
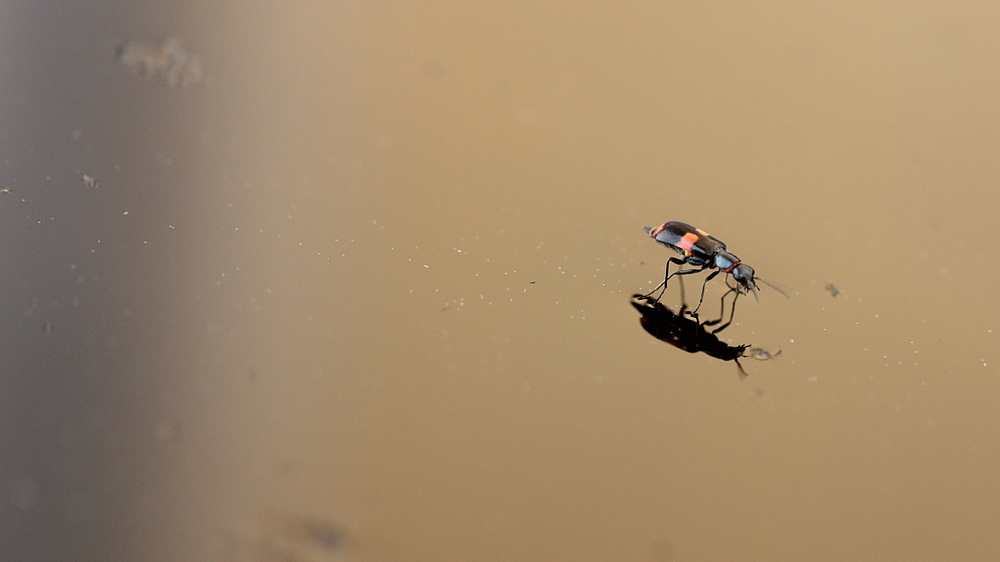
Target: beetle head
[[745, 280]]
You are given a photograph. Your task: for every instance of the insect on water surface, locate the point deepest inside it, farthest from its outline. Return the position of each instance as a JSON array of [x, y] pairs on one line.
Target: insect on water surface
[[704, 251]]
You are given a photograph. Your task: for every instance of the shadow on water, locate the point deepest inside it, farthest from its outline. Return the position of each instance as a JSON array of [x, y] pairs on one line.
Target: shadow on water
[[688, 334]]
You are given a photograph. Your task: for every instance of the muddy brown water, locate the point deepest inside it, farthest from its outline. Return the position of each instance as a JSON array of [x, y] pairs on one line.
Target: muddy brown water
[[353, 283]]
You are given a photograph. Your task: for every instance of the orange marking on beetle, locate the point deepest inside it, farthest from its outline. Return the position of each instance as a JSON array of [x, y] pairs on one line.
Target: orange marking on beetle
[[687, 242], [657, 230]]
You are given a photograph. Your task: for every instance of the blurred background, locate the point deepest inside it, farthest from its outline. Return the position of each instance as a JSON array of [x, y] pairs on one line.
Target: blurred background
[[351, 281]]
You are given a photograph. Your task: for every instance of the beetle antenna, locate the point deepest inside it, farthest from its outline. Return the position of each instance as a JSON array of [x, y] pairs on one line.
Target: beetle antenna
[[783, 293], [743, 374]]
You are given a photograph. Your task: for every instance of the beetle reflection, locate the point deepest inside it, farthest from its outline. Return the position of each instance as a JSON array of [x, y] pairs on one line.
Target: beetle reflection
[[686, 333]]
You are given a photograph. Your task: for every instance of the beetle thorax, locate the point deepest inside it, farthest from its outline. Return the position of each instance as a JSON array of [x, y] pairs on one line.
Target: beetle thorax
[[726, 261]]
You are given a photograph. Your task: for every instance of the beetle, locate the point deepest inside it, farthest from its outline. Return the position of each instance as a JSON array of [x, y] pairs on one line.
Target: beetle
[[703, 251]]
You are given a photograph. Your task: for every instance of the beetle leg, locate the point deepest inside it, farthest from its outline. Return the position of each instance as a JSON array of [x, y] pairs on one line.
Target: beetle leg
[[722, 309], [722, 313], [694, 313], [667, 275]]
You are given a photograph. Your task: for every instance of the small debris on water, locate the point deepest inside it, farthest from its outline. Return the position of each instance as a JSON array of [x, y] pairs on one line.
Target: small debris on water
[[166, 61]]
